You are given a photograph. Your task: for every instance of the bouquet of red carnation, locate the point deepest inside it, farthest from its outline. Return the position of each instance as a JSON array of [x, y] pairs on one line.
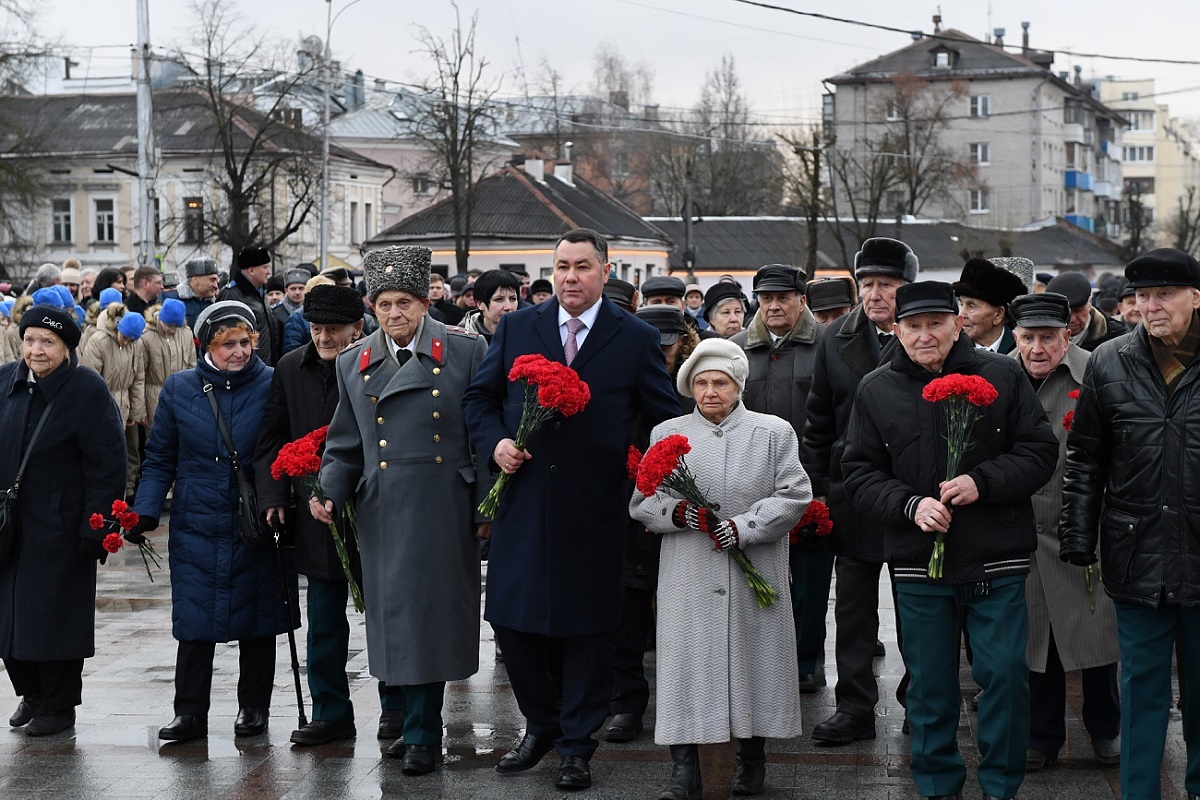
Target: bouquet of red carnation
[[633, 460], [550, 388], [1089, 572], [663, 466], [302, 459], [121, 523], [961, 397], [814, 527], [1069, 418]]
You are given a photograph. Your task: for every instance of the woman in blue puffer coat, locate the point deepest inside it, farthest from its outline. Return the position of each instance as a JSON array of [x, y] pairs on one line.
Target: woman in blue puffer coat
[[221, 589]]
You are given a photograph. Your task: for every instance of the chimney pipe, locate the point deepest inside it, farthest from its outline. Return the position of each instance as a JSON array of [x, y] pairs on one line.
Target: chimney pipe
[[999, 33], [1078, 75], [1024, 37], [536, 169], [566, 172], [937, 23]]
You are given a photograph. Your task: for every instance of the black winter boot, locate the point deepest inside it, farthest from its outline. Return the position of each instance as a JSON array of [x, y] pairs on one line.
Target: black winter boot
[[750, 770], [685, 777]]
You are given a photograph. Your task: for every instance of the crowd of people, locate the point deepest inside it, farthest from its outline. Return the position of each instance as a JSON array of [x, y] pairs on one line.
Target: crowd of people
[[1054, 537]]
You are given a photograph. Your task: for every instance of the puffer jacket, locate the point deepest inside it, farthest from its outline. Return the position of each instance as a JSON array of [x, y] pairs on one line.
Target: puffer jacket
[[10, 343], [123, 367], [89, 325], [1133, 476], [896, 450], [165, 355], [848, 351], [221, 589], [781, 374], [296, 332]]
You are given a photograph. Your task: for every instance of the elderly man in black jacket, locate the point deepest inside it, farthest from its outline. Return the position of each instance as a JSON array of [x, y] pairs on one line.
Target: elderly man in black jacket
[[896, 474], [250, 275], [1131, 479], [304, 394]]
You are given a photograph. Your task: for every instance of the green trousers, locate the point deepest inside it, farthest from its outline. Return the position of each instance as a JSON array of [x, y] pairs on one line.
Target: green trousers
[[1147, 637], [328, 648], [422, 706], [998, 624]]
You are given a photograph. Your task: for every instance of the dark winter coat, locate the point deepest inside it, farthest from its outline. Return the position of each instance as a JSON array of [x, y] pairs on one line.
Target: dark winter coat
[[1100, 329], [77, 468], [896, 449], [221, 589], [270, 333], [1133, 475], [781, 374], [304, 394], [847, 352], [296, 331], [556, 562], [192, 305]]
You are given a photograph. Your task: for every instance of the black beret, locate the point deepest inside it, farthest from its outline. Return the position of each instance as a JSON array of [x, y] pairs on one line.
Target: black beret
[[56, 320], [779, 278], [619, 291], [890, 258], [663, 284], [1040, 310], [829, 293], [924, 298], [1165, 266], [253, 256], [722, 290], [667, 319], [985, 281], [332, 305], [1074, 286], [541, 285]]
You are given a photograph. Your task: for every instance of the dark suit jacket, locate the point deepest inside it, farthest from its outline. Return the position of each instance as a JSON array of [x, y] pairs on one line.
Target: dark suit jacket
[[555, 566]]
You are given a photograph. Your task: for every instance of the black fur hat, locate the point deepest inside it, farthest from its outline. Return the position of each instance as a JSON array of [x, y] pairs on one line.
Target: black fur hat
[[985, 281], [891, 258]]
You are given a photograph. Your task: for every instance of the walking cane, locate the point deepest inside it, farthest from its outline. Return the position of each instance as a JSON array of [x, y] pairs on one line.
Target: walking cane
[[277, 530]]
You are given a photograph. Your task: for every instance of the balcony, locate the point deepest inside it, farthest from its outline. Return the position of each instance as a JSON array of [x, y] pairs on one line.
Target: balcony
[[1072, 132], [1087, 223], [1078, 180], [1105, 189]]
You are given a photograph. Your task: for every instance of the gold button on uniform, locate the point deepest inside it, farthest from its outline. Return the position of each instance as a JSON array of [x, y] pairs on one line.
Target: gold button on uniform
[[438, 459], [379, 420], [437, 415], [374, 399], [383, 442], [366, 378], [437, 437], [436, 393], [437, 370], [383, 465]]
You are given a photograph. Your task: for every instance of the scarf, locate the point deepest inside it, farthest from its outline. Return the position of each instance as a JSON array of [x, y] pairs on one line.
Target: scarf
[[1172, 362]]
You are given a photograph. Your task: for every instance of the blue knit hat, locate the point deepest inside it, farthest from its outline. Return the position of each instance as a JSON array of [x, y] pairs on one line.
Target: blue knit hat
[[173, 312], [80, 315], [6, 307], [131, 325], [108, 297], [47, 297], [68, 299]]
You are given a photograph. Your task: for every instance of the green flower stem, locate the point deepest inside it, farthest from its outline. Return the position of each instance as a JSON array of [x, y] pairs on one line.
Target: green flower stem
[[533, 416], [339, 543], [764, 593]]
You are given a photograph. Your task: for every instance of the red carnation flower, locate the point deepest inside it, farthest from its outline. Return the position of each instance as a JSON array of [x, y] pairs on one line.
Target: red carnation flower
[[816, 517], [113, 542], [633, 460], [119, 507], [129, 520], [1069, 419], [301, 458], [96, 521], [1073, 394], [660, 461]]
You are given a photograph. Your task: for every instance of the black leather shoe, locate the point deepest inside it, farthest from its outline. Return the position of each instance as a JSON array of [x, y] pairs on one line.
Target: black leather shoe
[[880, 650], [573, 773], [904, 727], [810, 682], [396, 749], [45, 723], [685, 783], [391, 725], [418, 759], [1037, 760], [957, 796], [844, 728], [26, 710], [184, 728], [527, 754], [623, 728], [251, 721], [322, 731]]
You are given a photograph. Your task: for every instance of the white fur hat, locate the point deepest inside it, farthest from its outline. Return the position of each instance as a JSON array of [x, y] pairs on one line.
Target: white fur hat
[[718, 354]]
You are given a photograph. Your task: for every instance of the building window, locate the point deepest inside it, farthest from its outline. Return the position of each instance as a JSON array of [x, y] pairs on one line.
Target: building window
[[980, 201], [941, 59], [981, 105], [1128, 96], [353, 222], [60, 218], [892, 112], [981, 154], [1141, 121], [193, 220], [421, 185], [368, 220], [1139, 153], [620, 166], [106, 220], [1071, 149], [1139, 185]]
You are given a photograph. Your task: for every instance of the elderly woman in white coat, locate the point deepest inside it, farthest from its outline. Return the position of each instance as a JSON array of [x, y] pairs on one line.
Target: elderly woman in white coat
[[726, 668]]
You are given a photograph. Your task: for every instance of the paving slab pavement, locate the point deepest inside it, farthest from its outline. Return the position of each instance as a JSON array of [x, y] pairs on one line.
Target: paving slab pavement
[[113, 751]]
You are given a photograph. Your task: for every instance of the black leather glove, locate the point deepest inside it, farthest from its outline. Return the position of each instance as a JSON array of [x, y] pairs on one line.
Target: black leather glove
[[92, 549], [1076, 551], [144, 526]]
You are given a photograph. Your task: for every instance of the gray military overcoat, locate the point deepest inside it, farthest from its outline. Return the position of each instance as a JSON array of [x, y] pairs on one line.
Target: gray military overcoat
[[398, 447]]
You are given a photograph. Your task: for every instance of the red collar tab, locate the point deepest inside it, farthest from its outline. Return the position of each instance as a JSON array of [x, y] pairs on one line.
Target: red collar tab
[[364, 359], [435, 350]]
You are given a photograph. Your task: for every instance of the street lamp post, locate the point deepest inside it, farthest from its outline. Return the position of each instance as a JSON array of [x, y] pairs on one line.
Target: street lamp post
[[326, 77]]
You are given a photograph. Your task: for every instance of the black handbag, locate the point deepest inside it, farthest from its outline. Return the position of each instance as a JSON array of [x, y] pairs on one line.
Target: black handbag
[[8, 500], [250, 525]]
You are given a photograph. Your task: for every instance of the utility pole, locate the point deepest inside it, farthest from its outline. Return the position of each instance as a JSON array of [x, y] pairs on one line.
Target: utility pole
[[322, 255], [689, 252], [145, 134]]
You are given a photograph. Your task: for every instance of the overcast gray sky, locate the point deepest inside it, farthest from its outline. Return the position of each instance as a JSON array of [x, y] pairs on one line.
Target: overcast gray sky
[[781, 58]]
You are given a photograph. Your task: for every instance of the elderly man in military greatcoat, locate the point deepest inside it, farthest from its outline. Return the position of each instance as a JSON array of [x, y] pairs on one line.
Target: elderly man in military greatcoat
[[398, 440]]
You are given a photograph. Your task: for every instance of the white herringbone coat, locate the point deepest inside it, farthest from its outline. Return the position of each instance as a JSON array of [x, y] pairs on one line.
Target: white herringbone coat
[[725, 666]]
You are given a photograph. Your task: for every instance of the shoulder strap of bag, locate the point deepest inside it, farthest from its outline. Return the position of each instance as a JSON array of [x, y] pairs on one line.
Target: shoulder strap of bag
[[32, 440], [212, 401]]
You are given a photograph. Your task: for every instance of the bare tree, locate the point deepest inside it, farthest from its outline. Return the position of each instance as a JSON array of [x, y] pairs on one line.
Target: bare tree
[[619, 82], [803, 176], [1139, 220], [266, 173], [1184, 226], [456, 119], [861, 181]]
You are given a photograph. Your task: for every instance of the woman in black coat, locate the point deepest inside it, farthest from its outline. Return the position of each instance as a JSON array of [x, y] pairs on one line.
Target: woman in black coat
[[76, 467]]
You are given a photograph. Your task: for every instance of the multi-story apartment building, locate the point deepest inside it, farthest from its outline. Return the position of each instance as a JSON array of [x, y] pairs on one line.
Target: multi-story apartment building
[[1009, 140]]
